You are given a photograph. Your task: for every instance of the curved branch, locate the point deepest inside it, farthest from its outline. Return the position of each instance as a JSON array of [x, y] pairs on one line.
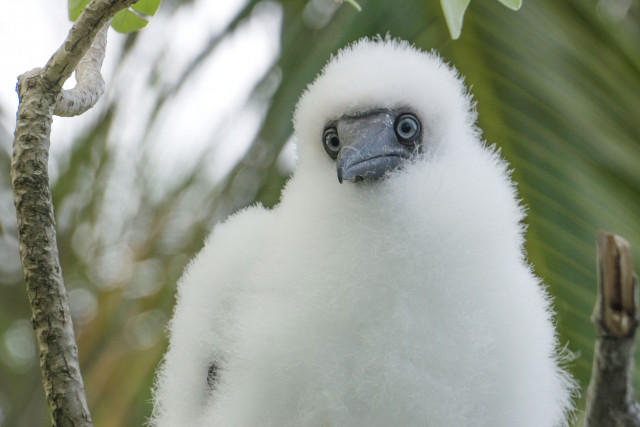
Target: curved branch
[[38, 91], [92, 19], [90, 84]]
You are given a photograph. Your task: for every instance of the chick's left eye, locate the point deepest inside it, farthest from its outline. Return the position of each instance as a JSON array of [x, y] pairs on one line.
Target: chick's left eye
[[407, 128]]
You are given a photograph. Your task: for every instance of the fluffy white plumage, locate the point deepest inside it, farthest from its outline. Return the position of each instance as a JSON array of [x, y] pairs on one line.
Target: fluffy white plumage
[[405, 301]]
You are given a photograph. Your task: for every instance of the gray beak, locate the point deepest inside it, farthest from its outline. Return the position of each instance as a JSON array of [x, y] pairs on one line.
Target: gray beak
[[370, 147]]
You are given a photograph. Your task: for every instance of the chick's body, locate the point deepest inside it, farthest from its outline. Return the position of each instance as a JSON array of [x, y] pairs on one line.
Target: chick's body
[[401, 301]]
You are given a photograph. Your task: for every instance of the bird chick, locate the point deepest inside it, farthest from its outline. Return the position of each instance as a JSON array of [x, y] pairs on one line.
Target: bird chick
[[396, 294]]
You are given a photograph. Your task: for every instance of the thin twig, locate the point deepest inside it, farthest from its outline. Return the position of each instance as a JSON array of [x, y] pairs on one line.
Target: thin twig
[[90, 84]]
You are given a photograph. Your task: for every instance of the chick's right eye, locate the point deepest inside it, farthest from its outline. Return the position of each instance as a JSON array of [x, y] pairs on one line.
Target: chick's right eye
[[331, 142]]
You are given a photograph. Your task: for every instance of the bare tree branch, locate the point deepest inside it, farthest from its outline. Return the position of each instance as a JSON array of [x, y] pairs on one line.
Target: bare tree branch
[[90, 84], [611, 401], [39, 91]]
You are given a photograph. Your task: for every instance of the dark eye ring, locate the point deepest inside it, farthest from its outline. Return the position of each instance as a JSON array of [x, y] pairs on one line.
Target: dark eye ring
[[407, 128], [331, 142]]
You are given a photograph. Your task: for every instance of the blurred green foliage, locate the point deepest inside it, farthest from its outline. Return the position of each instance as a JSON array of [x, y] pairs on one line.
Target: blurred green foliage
[[557, 86], [454, 11]]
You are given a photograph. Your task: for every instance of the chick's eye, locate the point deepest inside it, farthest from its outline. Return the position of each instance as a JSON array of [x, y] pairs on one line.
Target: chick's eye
[[331, 142], [407, 128]]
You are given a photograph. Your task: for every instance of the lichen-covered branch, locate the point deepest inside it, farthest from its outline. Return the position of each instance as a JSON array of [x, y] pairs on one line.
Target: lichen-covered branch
[[611, 401], [92, 19], [89, 82], [38, 91]]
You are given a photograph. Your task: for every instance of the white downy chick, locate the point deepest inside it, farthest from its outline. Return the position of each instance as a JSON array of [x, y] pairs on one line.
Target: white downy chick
[[397, 295]]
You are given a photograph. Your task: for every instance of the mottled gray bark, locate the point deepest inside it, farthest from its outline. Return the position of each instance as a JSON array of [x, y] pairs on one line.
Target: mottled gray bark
[[39, 91], [611, 401], [89, 82]]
